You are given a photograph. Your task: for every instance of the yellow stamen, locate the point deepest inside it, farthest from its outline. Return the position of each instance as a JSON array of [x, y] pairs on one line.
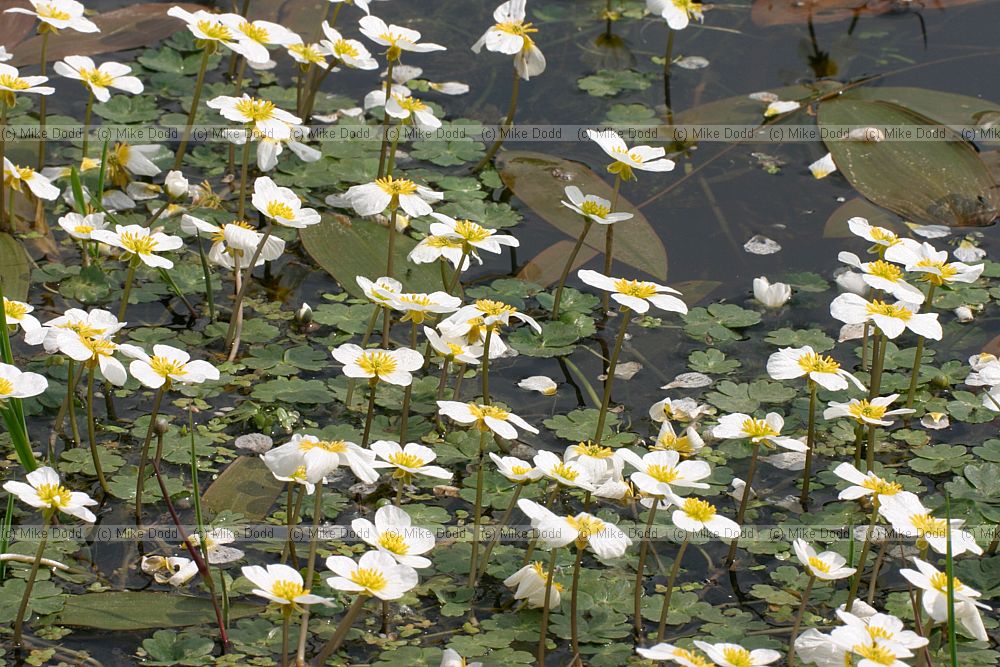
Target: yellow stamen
[[392, 541], [889, 310], [377, 363], [53, 495], [165, 367], [699, 510], [817, 363], [636, 288], [138, 244]]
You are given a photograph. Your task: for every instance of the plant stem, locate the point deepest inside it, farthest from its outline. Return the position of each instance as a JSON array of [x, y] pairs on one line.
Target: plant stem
[[856, 580], [71, 403], [385, 118], [300, 655], [459, 376], [508, 121], [371, 411], [127, 290], [811, 444], [92, 428], [486, 364], [478, 515], [543, 631], [744, 501], [915, 374], [32, 575], [342, 629], [207, 273], [859, 438], [42, 102], [364, 343], [798, 620], [876, 384], [286, 618], [609, 243], [144, 453], [643, 550], [610, 379], [587, 222], [574, 631], [232, 335], [496, 535], [455, 278], [86, 124], [3, 149], [244, 171], [390, 258], [950, 574], [674, 569], [195, 99]]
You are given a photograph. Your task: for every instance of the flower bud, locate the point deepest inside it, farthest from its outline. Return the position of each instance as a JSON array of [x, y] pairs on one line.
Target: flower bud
[[176, 184], [772, 296]]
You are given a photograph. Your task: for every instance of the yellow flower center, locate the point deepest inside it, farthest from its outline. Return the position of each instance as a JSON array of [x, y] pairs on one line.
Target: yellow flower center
[[48, 11], [220, 236], [13, 82], [392, 541], [520, 470], [343, 48], [818, 564], [96, 78], [945, 271], [757, 428], [491, 308], [699, 510], [881, 487], [332, 446], [481, 412], [299, 475], [442, 242], [82, 328], [138, 244], [593, 450], [6, 387], [889, 310], [100, 347], [287, 590], [883, 235], [665, 474], [564, 471], [279, 209], [636, 288], [308, 53], [419, 300], [876, 632], [471, 232], [885, 270], [517, 28], [863, 408], [255, 109], [377, 363], [586, 525], [257, 33], [411, 104], [165, 367], [396, 187], [370, 579], [14, 310], [928, 525], [455, 349], [672, 442], [939, 580], [83, 229], [214, 30], [692, 657], [595, 209], [53, 495], [880, 654], [406, 460], [817, 363], [737, 656]]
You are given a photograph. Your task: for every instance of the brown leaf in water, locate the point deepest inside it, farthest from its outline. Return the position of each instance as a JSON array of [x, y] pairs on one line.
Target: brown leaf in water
[[792, 12], [547, 265], [14, 28]]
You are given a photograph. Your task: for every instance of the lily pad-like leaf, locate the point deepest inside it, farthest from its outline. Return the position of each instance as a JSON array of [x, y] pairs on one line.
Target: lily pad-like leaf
[[14, 270], [539, 179], [836, 225], [246, 487], [945, 108], [348, 248], [142, 610], [930, 181]]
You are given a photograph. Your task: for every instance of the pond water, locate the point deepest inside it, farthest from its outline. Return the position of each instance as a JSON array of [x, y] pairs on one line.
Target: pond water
[[718, 198]]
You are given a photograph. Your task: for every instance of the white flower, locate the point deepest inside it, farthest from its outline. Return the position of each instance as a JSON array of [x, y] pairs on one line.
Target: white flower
[[884, 276], [511, 35], [771, 295], [450, 657], [167, 365], [93, 350], [99, 79], [935, 421], [530, 586], [891, 319], [923, 258], [281, 204], [4, 56], [389, 192], [14, 177], [308, 54], [967, 251], [126, 159], [215, 546], [141, 243], [485, 418], [864, 484], [864, 411], [484, 313], [794, 362], [734, 655], [431, 248], [670, 653], [58, 14], [453, 348], [908, 516], [392, 366], [405, 108], [585, 530], [398, 39], [643, 158], [857, 646], [44, 491], [683, 409], [382, 291], [765, 430], [266, 118], [685, 445], [15, 384], [602, 463], [657, 472], [361, 4], [515, 469], [882, 627], [376, 574], [281, 584], [828, 566], [417, 305], [543, 384], [350, 52], [80, 226], [880, 236], [412, 459], [94, 324], [208, 27], [11, 83], [473, 236], [567, 473], [322, 457], [177, 186], [695, 515], [17, 314], [635, 294], [823, 167], [173, 571], [592, 207], [392, 534], [934, 583], [851, 281], [780, 107], [292, 468], [677, 13], [234, 240], [264, 33]]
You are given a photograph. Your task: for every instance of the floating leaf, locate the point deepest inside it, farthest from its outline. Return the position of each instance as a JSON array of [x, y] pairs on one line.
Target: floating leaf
[[792, 12], [539, 179], [945, 108], [935, 182], [246, 487], [142, 610], [609, 82], [348, 248], [547, 265], [14, 270], [836, 224]]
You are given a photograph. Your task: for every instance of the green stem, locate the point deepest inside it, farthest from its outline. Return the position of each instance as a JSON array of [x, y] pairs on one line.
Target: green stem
[[859, 438], [508, 121], [587, 222], [364, 343], [300, 655], [643, 550], [244, 171], [486, 364], [385, 119], [86, 124], [232, 340], [573, 629], [144, 453], [458, 269], [811, 444], [503, 522], [91, 428], [609, 242], [42, 102], [342, 628], [371, 411], [478, 513], [408, 392], [71, 403], [286, 619], [32, 575], [195, 99], [391, 250], [798, 620], [915, 373], [744, 501], [610, 379], [856, 580], [3, 152], [127, 290], [674, 569], [544, 629], [207, 273]]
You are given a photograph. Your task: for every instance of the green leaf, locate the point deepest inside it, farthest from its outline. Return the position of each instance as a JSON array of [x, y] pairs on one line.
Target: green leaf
[[538, 180], [166, 647], [129, 109], [712, 361], [609, 82], [937, 459], [245, 487], [580, 425], [786, 337], [79, 460], [731, 397], [15, 271], [142, 610], [557, 339], [719, 320], [292, 390], [46, 598]]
